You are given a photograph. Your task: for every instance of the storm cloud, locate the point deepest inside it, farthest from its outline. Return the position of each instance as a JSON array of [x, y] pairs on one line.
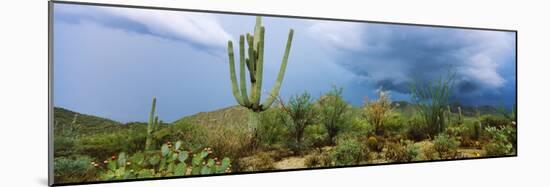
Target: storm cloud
[[391, 57]]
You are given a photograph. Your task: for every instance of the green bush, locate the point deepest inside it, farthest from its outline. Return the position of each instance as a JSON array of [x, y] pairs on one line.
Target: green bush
[[300, 113], [416, 129], [316, 136], [500, 144], [334, 113], [361, 128], [75, 169], [446, 146], [105, 144], [195, 136], [395, 124], [63, 146], [348, 151], [271, 130], [495, 121]]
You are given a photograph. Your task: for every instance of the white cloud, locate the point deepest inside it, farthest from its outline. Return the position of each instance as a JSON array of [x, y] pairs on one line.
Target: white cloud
[[200, 28], [346, 35]]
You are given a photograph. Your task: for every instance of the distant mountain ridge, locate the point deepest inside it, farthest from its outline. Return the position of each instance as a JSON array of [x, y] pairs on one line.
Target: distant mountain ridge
[[229, 115]]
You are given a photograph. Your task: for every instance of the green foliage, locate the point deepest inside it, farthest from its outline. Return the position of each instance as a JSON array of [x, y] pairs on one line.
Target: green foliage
[[348, 151], [395, 124], [63, 146], [495, 121], [361, 127], [446, 146], [271, 130], [417, 130], [378, 111], [170, 160], [500, 144], [316, 136], [195, 136], [431, 100], [108, 143], [254, 65], [403, 151], [75, 169], [334, 113], [301, 113]]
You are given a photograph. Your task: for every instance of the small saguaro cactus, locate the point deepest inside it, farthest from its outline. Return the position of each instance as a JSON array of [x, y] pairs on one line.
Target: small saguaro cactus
[[152, 126], [254, 64]]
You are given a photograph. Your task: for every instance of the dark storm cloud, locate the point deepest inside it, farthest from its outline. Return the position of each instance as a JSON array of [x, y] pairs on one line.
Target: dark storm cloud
[[391, 57]]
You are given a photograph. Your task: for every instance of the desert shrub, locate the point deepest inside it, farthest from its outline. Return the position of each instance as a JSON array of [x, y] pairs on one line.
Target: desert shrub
[[271, 130], [74, 169], [374, 145], [103, 145], [229, 140], [360, 127], [348, 151], [495, 121], [395, 124], [500, 144], [63, 146], [432, 99], [446, 146], [195, 136], [318, 160], [430, 153], [316, 136], [416, 129], [301, 113], [334, 113], [403, 151], [261, 161], [378, 111]]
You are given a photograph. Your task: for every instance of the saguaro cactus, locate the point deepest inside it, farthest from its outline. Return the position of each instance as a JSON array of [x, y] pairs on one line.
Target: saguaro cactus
[[152, 126], [254, 65]]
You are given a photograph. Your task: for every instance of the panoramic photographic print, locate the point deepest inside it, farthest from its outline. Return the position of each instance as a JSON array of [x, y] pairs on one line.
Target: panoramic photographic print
[[150, 93]]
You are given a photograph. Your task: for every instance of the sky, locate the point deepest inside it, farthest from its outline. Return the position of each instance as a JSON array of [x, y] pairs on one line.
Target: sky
[[111, 62]]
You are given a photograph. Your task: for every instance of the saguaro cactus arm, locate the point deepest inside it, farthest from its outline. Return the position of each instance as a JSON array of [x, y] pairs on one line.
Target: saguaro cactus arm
[[232, 73], [275, 91], [242, 72]]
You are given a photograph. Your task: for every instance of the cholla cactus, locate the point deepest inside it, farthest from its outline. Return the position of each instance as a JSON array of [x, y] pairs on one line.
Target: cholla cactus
[[152, 126], [254, 65]]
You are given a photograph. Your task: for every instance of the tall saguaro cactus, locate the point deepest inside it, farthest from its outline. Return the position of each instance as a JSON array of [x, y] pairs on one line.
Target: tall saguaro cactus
[[152, 126], [254, 64]]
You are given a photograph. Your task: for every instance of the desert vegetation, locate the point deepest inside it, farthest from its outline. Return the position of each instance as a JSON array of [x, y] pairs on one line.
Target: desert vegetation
[[303, 131]]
